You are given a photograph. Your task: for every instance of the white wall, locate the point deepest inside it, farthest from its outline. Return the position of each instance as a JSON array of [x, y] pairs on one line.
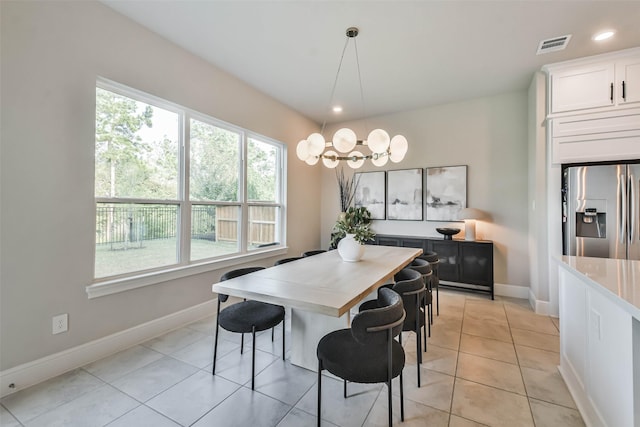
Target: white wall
[[52, 53], [487, 134]]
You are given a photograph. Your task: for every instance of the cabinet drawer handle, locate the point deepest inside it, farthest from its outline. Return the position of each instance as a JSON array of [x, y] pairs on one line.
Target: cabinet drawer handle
[[611, 96], [624, 91]]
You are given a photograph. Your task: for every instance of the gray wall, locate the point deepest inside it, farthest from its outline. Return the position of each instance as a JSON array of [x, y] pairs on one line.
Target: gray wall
[[52, 53], [487, 134]]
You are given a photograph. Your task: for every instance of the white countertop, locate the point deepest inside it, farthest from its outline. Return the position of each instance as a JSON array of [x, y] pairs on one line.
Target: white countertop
[[614, 277]]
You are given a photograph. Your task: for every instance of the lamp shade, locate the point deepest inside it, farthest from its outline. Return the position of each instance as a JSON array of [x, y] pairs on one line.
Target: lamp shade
[[316, 144], [344, 140], [302, 150], [471, 213], [330, 159], [378, 141]]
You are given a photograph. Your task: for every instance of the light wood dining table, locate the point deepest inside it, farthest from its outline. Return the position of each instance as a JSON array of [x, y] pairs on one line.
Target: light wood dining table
[[320, 290]]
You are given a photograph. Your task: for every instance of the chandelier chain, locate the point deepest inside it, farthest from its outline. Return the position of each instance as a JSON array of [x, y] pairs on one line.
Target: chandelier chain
[[335, 83]]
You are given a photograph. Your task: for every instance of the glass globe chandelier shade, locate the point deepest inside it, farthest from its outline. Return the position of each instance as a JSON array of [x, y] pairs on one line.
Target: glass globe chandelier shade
[[344, 140], [330, 159], [356, 159], [379, 159], [316, 144], [398, 148], [382, 147], [378, 141]]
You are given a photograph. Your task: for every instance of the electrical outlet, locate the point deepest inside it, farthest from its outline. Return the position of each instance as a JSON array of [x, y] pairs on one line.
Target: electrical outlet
[[60, 323]]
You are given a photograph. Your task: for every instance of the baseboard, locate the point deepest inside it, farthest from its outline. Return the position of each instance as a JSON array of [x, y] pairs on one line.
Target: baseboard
[[34, 372], [589, 413], [511, 291], [539, 306]]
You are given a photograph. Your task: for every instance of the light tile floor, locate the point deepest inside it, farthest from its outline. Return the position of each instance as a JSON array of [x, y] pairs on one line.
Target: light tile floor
[[489, 363]]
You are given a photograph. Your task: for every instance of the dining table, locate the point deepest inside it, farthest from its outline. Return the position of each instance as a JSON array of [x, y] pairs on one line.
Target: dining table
[[320, 290]]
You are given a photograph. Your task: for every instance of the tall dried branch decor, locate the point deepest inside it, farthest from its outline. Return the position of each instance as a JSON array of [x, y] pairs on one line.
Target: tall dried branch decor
[[347, 187]]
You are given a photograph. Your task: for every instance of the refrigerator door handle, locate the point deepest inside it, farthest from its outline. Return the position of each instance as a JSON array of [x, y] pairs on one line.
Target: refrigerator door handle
[[632, 208], [622, 212]]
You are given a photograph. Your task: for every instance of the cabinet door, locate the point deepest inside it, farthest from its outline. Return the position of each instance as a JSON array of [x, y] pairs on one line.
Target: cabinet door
[[628, 74], [582, 88], [476, 263], [448, 255], [388, 241], [413, 243]]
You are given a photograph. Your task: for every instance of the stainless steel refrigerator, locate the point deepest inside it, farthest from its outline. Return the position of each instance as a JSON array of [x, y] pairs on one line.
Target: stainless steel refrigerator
[[601, 211]]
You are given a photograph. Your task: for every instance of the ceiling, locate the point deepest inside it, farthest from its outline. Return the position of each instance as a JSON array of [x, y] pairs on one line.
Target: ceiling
[[412, 54]]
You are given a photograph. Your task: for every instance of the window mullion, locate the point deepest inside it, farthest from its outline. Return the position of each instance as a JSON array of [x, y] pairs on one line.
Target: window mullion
[[243, 233], [185, 202]]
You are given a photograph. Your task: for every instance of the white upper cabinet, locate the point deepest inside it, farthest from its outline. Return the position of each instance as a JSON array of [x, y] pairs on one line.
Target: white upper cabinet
[[593, 109], [598, 83], [628, 75], [582, 88]]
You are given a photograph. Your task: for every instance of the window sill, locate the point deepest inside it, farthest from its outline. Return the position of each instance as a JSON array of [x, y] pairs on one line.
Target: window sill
[[115, 286]]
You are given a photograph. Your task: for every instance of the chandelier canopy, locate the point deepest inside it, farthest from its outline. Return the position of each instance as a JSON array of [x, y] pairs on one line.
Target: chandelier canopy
[[380, 148]]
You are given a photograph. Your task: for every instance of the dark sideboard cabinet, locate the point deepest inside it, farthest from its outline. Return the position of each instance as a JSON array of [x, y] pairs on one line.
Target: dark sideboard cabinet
[[463, 264]]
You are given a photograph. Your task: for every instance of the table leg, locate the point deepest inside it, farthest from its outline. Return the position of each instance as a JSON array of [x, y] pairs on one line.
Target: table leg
[[307, 329]]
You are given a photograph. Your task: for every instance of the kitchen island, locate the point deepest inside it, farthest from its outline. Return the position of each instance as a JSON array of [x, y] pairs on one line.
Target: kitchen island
[[600, 338]]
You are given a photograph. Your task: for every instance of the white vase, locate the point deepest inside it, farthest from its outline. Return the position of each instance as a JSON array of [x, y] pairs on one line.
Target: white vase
[[350, 249]]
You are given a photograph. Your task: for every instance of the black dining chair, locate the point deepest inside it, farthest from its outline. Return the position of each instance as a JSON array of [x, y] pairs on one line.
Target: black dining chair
[[423, 267], [286, 260], [367, 352], [410, 287], [312, 253], [434, 261], [247, 317]]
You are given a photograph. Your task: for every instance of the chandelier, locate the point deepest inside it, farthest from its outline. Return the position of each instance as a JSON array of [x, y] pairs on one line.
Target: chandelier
[[380, 148]]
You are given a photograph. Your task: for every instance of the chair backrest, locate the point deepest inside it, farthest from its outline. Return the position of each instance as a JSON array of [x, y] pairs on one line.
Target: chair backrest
[[233, 274], [239, 272], [312, 253], [409, 285], [429, 256], [372, 326], [286, 260], [422, 266]]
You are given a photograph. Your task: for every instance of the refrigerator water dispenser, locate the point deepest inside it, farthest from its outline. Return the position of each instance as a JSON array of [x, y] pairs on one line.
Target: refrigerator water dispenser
[[591, 218], [591, 223]]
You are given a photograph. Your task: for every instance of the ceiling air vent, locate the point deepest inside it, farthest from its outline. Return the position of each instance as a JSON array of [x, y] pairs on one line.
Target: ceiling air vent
[[554, 44]]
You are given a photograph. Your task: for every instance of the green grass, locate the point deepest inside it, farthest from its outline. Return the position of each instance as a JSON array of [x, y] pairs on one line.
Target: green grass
[[117, 259]]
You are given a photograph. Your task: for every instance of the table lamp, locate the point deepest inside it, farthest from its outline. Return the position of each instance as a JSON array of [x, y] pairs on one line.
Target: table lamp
[[470, 215]]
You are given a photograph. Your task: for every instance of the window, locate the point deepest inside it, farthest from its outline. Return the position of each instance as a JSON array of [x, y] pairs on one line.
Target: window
[[175, 188]]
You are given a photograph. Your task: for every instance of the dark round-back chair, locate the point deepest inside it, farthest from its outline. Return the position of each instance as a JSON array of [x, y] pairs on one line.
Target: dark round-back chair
[[434, 261], [312, 253], [367, 352], [245, 317], [286, 260], [410, 287], [423, 267]]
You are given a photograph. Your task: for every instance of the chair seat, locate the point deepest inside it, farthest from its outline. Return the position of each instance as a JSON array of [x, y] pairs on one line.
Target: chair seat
[[241, 317], [344, 357]]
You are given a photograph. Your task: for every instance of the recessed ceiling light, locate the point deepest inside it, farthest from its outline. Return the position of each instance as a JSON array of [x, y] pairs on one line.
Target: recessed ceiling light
[[603, 35], [337, 109]]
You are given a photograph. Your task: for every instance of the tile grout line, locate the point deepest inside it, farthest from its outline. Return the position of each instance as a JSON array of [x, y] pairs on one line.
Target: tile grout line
[[455, 374], [526, 391]]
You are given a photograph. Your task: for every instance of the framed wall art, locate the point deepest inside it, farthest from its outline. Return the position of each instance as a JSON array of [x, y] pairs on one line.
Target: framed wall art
[[370, 193], [404, 194], [446, 192]]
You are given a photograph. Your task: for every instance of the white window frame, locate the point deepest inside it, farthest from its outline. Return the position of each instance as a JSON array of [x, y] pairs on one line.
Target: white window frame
[[184, 267]]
